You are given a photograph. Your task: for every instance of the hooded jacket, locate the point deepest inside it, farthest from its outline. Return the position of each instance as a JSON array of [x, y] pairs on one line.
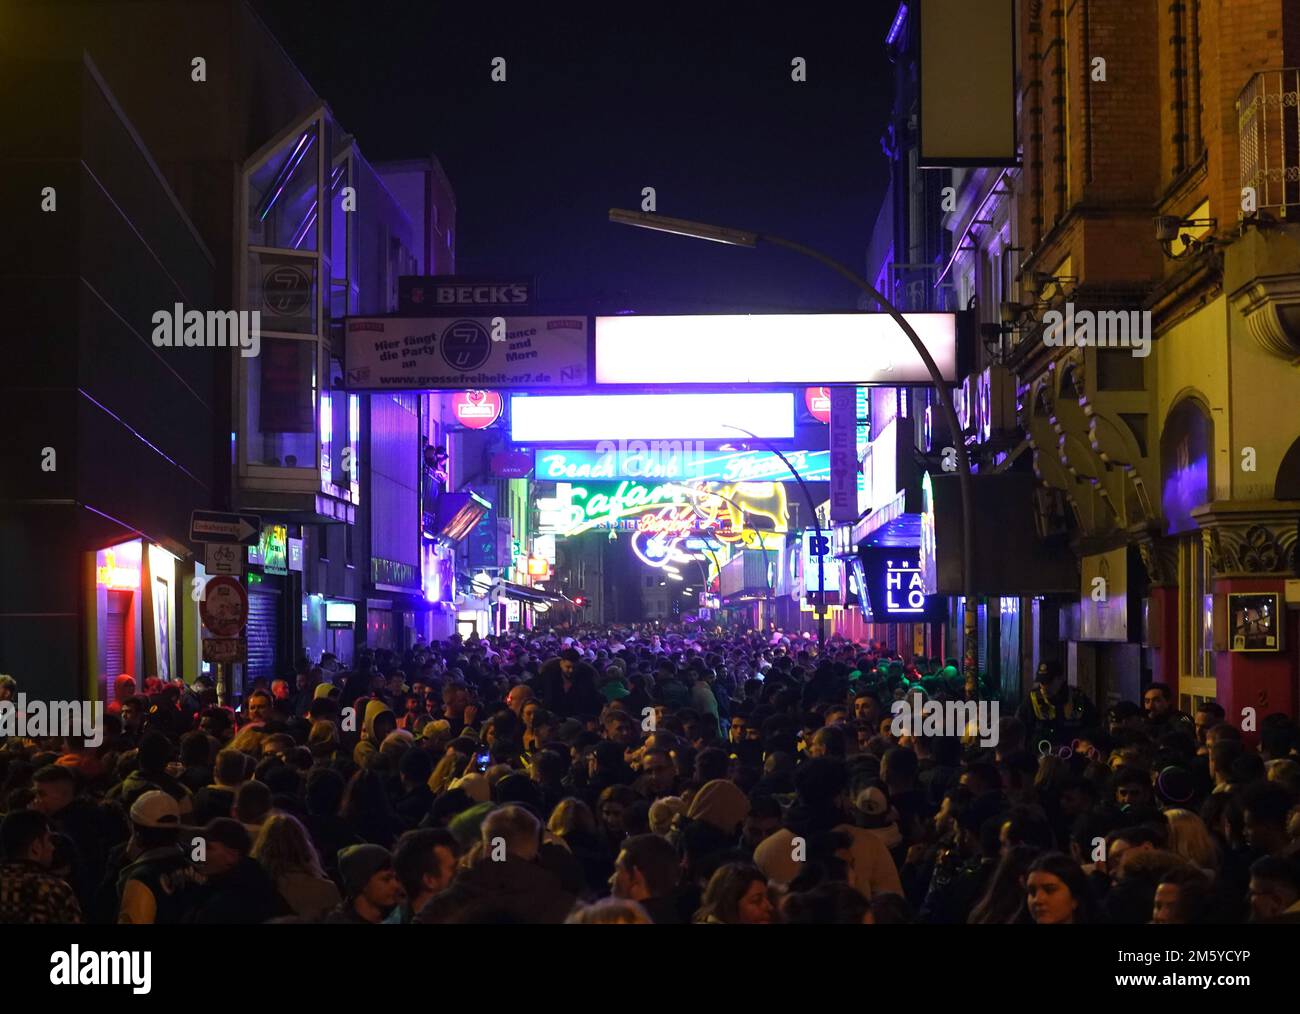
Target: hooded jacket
[[367, 750]]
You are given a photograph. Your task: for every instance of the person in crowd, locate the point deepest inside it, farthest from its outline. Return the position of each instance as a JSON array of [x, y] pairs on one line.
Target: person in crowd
[[1056, 891], [1055, 711], [737, 895], [425, 863], [648, 872], [285, 851], [371, 887], [30, 894]]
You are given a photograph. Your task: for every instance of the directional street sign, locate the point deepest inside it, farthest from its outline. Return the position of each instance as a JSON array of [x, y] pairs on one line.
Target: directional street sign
[[214, 526]]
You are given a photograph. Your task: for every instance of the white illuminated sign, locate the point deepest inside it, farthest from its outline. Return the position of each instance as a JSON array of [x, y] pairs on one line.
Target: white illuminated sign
[[904, 589], [591, 417], [813, 348]]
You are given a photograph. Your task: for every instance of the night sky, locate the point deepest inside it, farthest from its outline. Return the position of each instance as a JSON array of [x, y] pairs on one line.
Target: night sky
[[699, 105]]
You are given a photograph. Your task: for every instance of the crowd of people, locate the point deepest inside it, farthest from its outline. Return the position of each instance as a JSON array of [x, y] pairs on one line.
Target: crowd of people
[[647, 775]]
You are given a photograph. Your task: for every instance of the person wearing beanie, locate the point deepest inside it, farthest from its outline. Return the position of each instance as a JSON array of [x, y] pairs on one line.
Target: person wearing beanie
[[721, 804], [237, 889], [371, 888]]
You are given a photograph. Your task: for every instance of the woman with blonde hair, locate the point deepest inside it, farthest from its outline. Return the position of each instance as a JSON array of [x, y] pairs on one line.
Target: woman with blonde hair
[[284, 849], [1191, 839]]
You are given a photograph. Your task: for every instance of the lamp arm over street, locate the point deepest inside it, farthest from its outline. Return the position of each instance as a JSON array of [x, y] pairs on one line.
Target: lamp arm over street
[[746, 238]]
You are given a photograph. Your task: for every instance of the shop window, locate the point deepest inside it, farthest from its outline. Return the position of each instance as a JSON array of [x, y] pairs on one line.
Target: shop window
[[281, 399]]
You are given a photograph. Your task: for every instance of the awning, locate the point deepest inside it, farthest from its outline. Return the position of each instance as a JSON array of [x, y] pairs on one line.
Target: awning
[[523, 593]]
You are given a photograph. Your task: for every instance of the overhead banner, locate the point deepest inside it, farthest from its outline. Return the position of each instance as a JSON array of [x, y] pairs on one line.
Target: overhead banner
[[844, 454], [420, 353], [773, 349]]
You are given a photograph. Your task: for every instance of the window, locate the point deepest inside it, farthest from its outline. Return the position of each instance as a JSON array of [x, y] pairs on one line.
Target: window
[[284, 235], [323, 543], [347, 545]]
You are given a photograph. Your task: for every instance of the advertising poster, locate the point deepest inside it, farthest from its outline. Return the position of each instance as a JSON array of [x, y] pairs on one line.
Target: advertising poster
[[417, 353]]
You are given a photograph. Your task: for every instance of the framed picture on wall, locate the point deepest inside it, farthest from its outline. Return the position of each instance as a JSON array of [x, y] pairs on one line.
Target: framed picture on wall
[[1254, 621]]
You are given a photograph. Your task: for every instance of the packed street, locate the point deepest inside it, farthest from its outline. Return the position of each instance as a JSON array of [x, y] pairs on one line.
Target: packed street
[[630, 469]]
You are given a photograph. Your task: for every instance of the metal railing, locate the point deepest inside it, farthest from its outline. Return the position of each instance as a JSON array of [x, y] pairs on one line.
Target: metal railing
[[1268, 128]]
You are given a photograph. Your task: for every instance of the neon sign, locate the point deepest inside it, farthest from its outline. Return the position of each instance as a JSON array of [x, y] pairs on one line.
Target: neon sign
[[645, 460], [476, 409], [818, 400], [576, 509], [110, 575], [903, 580]]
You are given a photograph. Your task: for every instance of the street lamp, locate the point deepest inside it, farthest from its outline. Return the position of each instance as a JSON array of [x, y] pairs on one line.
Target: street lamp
[[746, 238]]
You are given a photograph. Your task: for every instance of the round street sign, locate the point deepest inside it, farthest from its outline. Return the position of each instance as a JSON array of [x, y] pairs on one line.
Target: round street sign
[[224, 607]]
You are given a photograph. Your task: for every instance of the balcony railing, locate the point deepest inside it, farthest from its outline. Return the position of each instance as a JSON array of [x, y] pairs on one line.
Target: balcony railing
[[1268, 126]]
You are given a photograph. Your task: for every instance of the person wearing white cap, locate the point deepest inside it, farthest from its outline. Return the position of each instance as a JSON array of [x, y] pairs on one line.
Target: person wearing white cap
[[159, 881]]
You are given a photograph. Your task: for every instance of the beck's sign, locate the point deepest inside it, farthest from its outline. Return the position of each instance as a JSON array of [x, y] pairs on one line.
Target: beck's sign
[[417, 294]]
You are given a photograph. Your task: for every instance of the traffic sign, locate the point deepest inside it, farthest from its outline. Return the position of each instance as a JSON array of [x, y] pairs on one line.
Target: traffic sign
[[225, 649], [225, 558], [215, 526], [224, 607]]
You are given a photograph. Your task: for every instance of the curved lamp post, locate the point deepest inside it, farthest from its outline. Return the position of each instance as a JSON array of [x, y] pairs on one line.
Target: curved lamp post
[[746, 238]]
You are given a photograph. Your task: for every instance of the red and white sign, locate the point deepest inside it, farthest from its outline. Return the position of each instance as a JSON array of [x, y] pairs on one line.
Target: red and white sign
[[224, 607], [818, 400], [476, 409]]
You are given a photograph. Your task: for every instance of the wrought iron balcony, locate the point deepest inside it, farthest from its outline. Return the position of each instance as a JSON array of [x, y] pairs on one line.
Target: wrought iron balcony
[[1268, 127]]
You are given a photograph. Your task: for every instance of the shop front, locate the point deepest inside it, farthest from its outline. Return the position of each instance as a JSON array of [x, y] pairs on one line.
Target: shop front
[[140, 619]]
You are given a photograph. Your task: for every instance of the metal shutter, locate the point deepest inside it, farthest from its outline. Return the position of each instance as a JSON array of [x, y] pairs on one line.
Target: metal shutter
[[263, 633], [115, 639]]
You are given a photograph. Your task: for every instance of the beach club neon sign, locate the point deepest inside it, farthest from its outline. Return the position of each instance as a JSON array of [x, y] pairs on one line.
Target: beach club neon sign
[[661, 515]]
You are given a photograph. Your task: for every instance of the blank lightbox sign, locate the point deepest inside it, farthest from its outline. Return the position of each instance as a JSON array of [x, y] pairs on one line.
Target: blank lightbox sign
[[968, 100]]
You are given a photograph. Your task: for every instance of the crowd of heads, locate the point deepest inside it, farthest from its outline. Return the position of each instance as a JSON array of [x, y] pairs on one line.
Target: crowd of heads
[[647, 775]]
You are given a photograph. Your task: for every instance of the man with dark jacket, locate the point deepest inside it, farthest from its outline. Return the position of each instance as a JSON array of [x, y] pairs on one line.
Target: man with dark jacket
[[648, 871], [238, 890], [93, 828], [155, 753], [567, 686], [506, 878]]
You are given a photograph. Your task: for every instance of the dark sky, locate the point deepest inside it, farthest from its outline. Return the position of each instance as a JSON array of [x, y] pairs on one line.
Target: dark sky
[[693, 101]]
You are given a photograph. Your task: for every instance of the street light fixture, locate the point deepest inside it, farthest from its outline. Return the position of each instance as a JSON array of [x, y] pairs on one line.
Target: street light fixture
[[747, 238]]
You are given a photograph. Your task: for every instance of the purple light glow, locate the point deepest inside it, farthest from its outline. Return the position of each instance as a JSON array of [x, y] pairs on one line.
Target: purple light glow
[[896, 28]]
